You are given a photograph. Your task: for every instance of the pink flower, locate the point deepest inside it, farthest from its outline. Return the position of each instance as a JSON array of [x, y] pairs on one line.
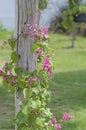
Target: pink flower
[[39, 52], [54, 120], [59, 127], [1, 72], [14, 83], [65, 116], [50, 123], [5, 66], [43, 33], [31, 30], [45, 30], [5, 42], [47, 65], [6, 78], [32, 79], [71, 117]]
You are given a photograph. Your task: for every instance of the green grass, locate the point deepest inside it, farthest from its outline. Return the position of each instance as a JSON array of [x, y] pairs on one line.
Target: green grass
[[6, 99], [68, 87]]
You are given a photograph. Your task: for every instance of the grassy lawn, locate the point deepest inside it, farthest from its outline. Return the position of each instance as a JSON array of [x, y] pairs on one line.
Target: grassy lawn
[[6, 99], [68, 87]]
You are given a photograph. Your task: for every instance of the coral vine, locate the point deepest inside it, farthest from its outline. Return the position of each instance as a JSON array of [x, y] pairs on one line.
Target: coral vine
[[33, 113]]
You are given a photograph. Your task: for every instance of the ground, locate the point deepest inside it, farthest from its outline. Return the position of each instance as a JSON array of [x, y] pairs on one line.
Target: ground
[[68, 86]]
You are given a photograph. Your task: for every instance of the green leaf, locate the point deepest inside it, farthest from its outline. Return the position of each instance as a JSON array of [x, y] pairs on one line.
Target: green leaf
[[40, 123], [26, 107], [48, 113], [14, 57], [10, 66], [12, 89], [28, 12], [38, 103], [42, 4], [27, 93], [34, 105], [35, 90], [21, 83], [18, 71], [24, 36], [35, 47], [21, 119], [12, 43]]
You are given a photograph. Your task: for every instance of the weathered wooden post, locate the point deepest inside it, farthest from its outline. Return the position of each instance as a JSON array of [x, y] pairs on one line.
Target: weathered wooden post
[[27, 61]]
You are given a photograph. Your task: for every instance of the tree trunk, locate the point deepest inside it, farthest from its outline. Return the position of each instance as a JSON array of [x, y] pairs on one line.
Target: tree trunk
[[73, 35], [26, 11]]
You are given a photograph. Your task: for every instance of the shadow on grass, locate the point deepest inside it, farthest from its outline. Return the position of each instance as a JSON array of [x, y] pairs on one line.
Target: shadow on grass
[[68, 94], [68, 91], [6, 109]]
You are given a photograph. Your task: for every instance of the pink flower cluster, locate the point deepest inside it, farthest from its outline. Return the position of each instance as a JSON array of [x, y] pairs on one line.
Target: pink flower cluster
[[53, 122], [1, 72], [3, 44], [32, 79], [8, 78], [67, 117], [39, 52], [47, 65], [31, 29], [58, 126], [36, 32], [43, 33]]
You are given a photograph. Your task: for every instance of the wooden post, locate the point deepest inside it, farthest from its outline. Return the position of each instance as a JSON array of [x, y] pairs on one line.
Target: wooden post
[[26, 11]]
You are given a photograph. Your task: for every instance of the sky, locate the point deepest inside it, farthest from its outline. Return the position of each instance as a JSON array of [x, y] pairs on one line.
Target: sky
[[7, 12]]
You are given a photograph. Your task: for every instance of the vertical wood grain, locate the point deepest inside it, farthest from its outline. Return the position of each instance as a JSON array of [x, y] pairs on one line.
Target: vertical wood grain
[[23, 47]]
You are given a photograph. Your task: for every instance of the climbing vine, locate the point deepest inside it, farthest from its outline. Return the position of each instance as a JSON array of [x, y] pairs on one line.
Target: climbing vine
[[34, 112]]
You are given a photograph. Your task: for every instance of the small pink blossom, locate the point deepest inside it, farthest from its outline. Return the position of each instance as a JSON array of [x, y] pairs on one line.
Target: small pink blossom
[[14, 83], [5, 66], [50, 123], [71, 117], [5, 42], [32, 79], [6, 78], [1, 72], [47, 65], [67, 117], [43, 33], [54, 120], [33, 30], [39, 52], [59, 127], [45, 30]]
